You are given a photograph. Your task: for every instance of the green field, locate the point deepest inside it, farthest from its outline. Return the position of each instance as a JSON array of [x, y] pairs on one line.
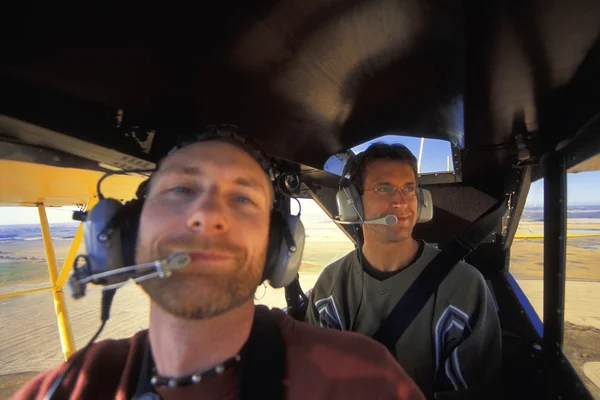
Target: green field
[[12, 272]]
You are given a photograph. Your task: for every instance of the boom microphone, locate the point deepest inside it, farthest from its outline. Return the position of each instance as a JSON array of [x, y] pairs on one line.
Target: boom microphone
[[389, 220], [162, 268]]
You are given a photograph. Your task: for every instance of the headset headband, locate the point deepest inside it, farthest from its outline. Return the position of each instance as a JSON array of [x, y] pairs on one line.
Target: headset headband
[[229, 133]]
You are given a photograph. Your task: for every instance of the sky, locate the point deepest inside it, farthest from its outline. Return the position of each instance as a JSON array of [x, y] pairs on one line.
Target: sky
[[29, 215], [582, 188]]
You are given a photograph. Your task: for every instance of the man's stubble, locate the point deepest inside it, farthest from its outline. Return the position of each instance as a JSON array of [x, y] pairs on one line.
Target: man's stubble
[[190, 295]]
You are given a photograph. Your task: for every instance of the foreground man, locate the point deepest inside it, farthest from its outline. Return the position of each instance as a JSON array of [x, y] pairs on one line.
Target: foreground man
[[454, 343], [207, 339]]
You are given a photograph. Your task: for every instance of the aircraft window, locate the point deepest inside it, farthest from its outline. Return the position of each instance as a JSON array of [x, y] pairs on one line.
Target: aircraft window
[[30, 337], [582, 292], [434, 155], [325, 243]]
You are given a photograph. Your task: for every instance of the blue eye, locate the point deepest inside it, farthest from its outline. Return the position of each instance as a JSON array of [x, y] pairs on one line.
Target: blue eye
[[180, 189], [243, 200]]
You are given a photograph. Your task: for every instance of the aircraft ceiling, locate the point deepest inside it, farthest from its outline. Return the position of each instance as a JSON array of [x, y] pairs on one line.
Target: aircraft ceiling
[[306, 78]]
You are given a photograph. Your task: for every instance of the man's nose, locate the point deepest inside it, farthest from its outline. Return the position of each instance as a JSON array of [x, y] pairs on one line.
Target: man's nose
[[398, 199], [208, 215]]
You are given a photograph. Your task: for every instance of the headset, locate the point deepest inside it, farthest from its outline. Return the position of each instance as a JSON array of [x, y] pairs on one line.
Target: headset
[[351, 210], [111, 228]]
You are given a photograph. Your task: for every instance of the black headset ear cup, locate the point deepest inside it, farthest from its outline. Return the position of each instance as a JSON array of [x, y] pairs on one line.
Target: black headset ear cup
[[286, 247], [274, 246], [290, 255]]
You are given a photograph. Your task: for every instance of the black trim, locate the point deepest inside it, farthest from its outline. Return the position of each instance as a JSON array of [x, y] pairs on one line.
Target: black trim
[[10, 149], [585, 145], [555, 241], [517, 205]]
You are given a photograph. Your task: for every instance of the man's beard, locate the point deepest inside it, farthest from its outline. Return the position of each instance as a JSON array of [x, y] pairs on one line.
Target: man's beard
[[206, 295]]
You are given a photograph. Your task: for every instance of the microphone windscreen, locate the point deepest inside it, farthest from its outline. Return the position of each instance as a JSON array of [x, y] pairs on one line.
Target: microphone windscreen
[[391, 220], [177, 260]]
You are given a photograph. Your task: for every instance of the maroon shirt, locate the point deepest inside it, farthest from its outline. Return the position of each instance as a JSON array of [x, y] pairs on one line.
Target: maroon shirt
[[320, 364]]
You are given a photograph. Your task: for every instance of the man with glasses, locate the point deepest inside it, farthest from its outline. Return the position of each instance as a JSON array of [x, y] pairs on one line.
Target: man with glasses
[[454, 342]]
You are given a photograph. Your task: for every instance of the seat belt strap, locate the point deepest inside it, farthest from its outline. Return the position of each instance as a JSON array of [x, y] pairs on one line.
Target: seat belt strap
[[426, 284], [263, 359]]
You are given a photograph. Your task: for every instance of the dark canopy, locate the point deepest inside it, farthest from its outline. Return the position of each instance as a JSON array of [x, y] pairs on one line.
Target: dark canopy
[[307, 78]]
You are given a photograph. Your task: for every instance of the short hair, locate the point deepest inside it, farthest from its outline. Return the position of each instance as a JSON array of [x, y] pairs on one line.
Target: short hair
[[356, 165], [229, 133], [226, 133]]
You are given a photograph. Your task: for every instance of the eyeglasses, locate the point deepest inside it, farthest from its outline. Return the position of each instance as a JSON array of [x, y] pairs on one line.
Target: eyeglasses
[[384, 188]]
